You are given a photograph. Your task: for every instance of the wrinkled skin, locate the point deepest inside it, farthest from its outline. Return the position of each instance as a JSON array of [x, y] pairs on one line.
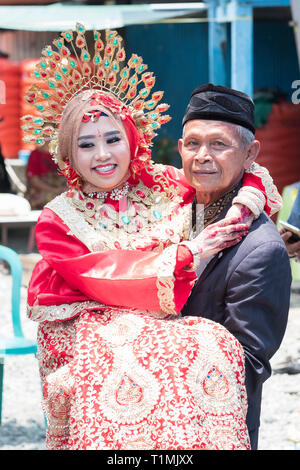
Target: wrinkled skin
[[220, 235]]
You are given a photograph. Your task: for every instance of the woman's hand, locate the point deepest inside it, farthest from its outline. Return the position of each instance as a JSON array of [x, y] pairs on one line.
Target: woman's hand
[[242, 212], [216, 237]]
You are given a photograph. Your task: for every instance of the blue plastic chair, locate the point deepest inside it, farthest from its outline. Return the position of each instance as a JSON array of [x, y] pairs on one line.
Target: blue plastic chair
[[17, 344]]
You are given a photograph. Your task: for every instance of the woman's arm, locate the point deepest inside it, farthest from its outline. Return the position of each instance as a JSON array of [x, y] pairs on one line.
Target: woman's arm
[[70, 273], [257, 194], [155, 281]]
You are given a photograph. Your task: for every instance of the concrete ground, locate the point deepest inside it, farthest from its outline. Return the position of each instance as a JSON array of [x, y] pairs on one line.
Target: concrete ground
[[22, 419]]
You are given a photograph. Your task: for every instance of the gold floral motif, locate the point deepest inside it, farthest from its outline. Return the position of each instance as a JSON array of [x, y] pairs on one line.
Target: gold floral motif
[[165, 280], [56, 405], [274, 199], [136, 216], [141, 443], [165, 288], [144, 393], [151, 218], [121, 329], [213, 383], [50, 313], [225, 436], [157, 170], [130, 391], [65, 337]]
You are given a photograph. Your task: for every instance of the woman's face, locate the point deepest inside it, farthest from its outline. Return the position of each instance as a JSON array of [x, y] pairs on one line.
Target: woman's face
[[103, 155]]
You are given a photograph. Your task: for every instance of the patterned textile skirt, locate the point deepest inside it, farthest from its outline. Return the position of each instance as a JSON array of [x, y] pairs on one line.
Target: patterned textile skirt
[[134, 380]]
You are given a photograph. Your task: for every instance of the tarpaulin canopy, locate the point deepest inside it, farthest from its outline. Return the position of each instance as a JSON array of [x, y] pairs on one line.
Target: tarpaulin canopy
[[60, 16]]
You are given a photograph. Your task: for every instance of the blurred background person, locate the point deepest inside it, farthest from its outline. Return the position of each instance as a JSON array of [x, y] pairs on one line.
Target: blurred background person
[[5, 185], [43, 179], [293, 248]]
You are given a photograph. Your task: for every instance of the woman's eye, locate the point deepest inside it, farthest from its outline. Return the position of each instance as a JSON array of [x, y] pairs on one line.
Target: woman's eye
[[85, 145], [112, 140]]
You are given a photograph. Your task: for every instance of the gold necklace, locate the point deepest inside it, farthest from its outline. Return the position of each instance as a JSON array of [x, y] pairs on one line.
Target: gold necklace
[[115, 194], [136, 209]]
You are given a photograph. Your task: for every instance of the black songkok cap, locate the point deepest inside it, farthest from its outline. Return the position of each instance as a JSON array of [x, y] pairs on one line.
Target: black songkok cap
[[220, 103]]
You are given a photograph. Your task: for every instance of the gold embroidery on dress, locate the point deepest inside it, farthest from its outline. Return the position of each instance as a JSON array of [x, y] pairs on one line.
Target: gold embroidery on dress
[[165, 293], [143, 206], [42, 313], [165, 280], [274, 199], [169, 225], [157, 170], [102, 227], [64, 333], [130, 391], [123, 401]]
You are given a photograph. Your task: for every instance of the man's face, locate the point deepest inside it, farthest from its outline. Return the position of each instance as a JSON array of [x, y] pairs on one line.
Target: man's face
[[213, 157]]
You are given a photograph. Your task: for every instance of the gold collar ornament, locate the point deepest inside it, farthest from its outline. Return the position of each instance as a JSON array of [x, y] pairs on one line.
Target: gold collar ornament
[[204, 216]]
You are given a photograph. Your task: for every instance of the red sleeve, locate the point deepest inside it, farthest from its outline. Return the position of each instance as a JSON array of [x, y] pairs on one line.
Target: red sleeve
[[46, 286], [184, 277], [138, 279], [250, 179], [258, 177]]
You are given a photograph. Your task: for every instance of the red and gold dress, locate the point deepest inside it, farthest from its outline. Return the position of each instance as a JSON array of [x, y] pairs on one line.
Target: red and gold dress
[[121, 368]]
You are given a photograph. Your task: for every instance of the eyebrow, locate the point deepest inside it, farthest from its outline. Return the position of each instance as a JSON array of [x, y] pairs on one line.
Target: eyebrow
[[106, 134], [213, 135]]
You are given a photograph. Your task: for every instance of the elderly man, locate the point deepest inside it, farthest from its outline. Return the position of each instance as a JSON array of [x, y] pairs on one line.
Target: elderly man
[[246, 288]]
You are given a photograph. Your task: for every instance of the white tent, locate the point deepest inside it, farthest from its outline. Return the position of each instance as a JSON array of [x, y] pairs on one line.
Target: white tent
[[61, 16]]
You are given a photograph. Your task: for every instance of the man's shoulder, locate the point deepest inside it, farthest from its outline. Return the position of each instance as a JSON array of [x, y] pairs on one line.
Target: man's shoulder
[[262, 242], [264, 232]]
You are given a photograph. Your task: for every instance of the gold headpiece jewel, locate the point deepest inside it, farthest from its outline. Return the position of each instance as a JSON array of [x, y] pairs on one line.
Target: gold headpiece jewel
[[71, 69]]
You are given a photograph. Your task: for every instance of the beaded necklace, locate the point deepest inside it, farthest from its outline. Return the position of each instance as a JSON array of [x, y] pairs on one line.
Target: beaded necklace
[[116, 194]]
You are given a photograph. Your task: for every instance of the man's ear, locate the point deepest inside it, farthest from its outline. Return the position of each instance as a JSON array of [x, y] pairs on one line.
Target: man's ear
[[252, 152], [179, 145]]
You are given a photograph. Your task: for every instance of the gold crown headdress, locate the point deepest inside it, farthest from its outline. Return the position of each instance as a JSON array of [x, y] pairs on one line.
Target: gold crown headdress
[[65, 75]]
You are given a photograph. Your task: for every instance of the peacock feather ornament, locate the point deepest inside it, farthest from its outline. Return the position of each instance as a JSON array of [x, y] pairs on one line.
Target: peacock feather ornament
[[70, 69]]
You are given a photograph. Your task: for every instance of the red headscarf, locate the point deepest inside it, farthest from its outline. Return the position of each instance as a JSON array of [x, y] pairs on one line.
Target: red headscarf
[[139, 143]]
